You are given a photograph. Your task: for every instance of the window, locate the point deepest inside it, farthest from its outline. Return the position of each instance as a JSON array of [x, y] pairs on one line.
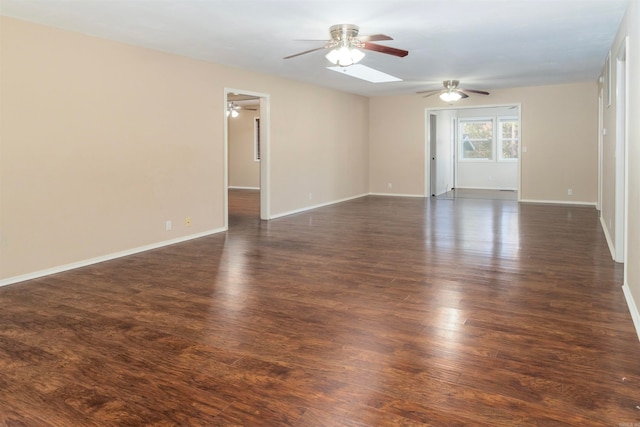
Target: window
[[476, 139], [256, 139], [508, 139]]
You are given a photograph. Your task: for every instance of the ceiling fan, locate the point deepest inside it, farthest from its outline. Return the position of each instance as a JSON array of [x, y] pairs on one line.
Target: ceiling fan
[[345, 44], [233, 109], [451, 91]]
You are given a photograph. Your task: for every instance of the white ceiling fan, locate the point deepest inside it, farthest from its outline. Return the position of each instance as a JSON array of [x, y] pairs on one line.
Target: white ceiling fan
[[451, 91], [233, 109], [346, 45]]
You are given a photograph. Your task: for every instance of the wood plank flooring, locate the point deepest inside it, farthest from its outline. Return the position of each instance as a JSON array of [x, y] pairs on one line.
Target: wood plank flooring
[[374, 312], [470, 193]]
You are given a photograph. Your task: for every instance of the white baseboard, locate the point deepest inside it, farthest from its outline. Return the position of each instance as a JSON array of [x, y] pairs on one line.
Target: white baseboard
[[607, 236], [485, 188], [103, 258], [398, 195], [235, 187], [308, 208], [633, 308], [558, 202]]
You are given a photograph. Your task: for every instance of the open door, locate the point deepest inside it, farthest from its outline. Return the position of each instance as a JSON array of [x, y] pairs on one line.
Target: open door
[[433, 133]]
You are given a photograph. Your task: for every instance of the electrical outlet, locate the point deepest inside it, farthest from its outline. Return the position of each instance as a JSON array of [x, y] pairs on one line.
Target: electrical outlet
[[389, 186], [187, 221], [570, 192], [310, 196], [167, 226]]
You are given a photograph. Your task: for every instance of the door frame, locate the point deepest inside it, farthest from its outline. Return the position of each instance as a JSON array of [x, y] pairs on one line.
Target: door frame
[[427, 144], [265, 153], [622, 152]]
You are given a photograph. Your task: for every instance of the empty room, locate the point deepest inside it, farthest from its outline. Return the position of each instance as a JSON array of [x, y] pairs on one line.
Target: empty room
[[319, 213]]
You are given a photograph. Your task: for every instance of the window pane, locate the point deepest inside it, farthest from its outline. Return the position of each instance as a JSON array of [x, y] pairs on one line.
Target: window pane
[[509, 149], [509, 139], [477, 139]]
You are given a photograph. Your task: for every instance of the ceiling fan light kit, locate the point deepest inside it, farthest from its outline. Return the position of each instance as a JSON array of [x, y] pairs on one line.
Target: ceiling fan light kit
[[450, 96], [347, 47], [451, 92], [233, 109], [344, 56]]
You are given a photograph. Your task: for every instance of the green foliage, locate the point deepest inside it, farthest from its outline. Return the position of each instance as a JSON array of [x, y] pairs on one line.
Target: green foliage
[[479, 134]]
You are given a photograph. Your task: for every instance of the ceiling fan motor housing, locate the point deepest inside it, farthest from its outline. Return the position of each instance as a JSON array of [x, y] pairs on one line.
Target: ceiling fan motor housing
[[345, 35], [451, 84]]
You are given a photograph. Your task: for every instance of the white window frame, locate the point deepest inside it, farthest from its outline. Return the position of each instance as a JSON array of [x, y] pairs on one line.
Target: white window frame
[[500, 138], [461, 122]]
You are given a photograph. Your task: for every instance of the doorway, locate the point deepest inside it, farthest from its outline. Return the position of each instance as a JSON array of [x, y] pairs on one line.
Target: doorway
[[622, 175], [246, 154], [486, 163]]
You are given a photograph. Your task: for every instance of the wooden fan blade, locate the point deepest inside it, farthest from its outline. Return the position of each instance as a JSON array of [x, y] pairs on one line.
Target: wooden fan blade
[[481, 92], [374, 38], [462, 94], [431, 91], [427, 93], [385, 49], [305, 52]]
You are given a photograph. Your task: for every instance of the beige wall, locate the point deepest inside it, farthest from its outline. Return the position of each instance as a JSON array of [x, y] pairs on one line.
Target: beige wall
[[330, 146], [244, 170], [629, 28], [560, 138], [102, 142]]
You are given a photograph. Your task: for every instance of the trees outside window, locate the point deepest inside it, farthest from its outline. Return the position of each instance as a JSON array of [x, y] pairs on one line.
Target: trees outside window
[[476, 139], [479, 142], [508, 139]]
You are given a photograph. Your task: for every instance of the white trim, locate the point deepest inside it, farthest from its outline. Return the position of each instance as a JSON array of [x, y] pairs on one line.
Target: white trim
[[103, 258], [486, 188], [559, 202], [265, 174], [420, 196], [237, 187], [633, 308], [600, 144], [621, 151], [308, 208], [265, 157], [612, 248]]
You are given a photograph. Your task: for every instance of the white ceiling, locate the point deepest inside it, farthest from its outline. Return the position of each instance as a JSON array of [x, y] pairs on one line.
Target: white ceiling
[[486, 44]]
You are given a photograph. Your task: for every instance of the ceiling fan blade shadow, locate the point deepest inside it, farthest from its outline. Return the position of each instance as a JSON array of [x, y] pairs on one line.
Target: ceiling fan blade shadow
[[305, 52], [430, 93], [385, 49], [374, 38]]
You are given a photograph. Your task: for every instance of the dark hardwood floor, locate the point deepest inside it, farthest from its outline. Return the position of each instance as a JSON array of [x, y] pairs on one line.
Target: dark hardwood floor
[[373, 312]]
